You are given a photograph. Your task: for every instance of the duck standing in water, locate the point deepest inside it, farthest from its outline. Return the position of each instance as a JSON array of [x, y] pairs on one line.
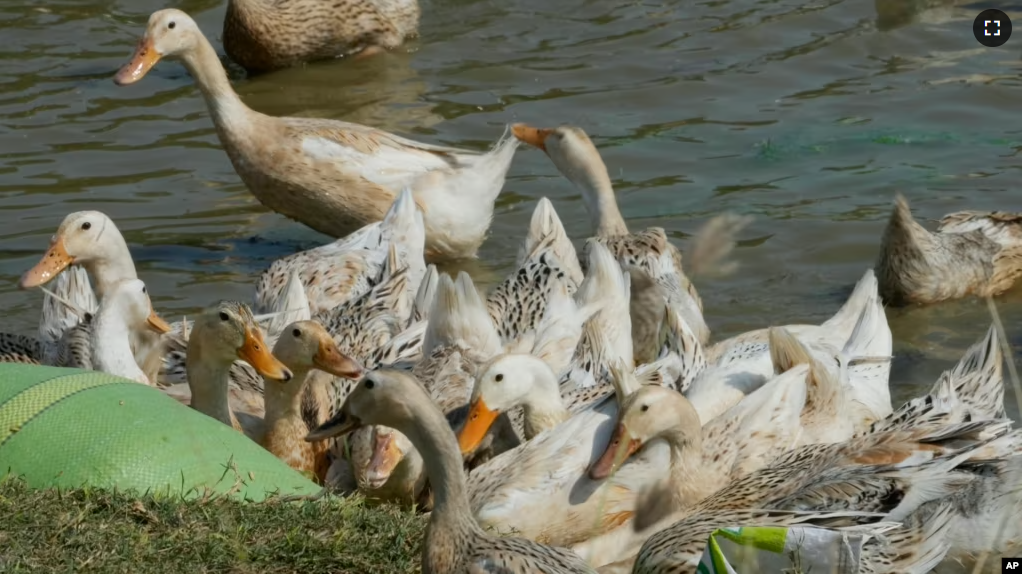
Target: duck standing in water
[[333, 176]]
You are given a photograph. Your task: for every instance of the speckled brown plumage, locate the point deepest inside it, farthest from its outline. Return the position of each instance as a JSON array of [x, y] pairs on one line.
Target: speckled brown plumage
[[971, 253], [266, 35], [518, 303], [368, 323], [74, 347], [642, 252], [16, 348]]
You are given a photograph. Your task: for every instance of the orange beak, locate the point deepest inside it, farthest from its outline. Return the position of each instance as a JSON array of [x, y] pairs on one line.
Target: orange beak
[[533, 136], [330, 359], [145, 57], [476, 426], [618, 450], [386, 456], [255, 352], [156, 323], [55, 261]]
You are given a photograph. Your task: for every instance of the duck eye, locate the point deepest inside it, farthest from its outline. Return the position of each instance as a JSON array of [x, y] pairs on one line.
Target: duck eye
[[224, 316], [644, 408], [143, 289], [296, 332], [171, 25], [369, 384], [86, 225], [499, 377]]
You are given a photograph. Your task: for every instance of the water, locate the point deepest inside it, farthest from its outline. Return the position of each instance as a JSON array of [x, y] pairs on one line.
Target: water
[[808, 115]]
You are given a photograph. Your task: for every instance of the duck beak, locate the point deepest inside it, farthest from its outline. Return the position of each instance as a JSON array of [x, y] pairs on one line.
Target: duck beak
[[533, 136], [329, 359], [156, 323], [255, 352], [145, 57], [386, 456], [476, 426], [618, 450], [338, 425], [55, 261]]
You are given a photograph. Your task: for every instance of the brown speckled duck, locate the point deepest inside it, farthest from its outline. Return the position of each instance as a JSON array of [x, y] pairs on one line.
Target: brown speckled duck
[[971, 253], [333, 176], [454, 543], [267, 35]]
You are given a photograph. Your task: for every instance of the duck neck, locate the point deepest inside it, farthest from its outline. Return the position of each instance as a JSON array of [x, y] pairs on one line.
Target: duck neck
[[451, 520], [111, 347], [542, 407], [283, 400], [686, 467], [225, 106], [115, 266], [595, 185], [208, 379]]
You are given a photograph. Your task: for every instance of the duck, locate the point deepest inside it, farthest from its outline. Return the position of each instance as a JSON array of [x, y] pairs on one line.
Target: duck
[[125, 310], [541, 490], [703, 458], [529, 380], [267, 35], [908, 437], [891, 476], [90, 240], [454, 542], [857, 339], [304, 347], [518, 303], [459, 336], [333, 176], [575, 156], [345, 269], [970, 253], [973, 391], [71, 302], [915, 547], [66, 312], [367, 324], [220, 335]]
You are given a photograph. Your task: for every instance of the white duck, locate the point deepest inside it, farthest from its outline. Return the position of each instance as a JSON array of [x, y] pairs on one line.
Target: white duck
[[126, 309]]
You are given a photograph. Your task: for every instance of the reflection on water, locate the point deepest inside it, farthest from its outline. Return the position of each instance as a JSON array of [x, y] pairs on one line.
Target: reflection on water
[[809, 116]]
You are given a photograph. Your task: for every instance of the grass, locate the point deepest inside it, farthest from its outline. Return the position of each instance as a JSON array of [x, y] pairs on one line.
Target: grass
[[92, 530]]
